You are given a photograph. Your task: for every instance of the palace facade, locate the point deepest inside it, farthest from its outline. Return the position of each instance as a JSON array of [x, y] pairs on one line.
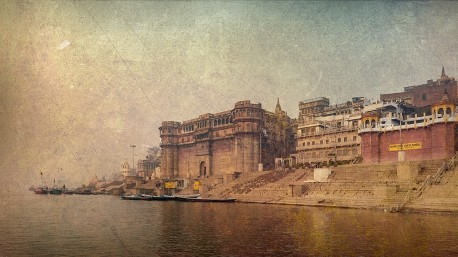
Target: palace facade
[[328, 133], [414, 125], [225, 143]]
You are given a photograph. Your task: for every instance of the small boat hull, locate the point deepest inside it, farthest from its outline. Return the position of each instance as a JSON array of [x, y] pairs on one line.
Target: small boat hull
[[131, 197], [41, 190], [208, 200], [55, 192]]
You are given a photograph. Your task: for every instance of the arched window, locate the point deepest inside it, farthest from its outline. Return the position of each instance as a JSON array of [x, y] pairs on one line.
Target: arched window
[[448, 111], [440, 112], [366, 124]]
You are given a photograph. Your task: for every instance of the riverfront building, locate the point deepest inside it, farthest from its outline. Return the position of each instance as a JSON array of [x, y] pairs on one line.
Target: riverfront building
[[328, 133], [148, 168], [410, 127], [225, 143], [426, 94]]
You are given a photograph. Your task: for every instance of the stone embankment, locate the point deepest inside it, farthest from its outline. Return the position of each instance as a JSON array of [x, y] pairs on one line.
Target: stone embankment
[[380, 186]]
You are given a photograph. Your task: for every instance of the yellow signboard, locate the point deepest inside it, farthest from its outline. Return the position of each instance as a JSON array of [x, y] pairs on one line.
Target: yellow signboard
[[170, 184], [197, 185], [405, 147]]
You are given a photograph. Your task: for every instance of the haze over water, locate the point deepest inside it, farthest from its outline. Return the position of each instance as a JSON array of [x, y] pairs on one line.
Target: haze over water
[[81, 81], [75, 225]]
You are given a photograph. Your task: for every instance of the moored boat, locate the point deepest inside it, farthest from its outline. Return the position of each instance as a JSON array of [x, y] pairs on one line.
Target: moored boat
[[68, 192], [131, 197], [171, 197], [41, 190], [201, 199], [83, 192], [55, 191]]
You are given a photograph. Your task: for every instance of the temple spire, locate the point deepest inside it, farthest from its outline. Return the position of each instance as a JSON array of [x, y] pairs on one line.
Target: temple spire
[[278, 107], [443, 73]]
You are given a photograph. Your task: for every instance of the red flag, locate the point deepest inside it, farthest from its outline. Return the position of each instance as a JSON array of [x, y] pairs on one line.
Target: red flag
[[41, 173]]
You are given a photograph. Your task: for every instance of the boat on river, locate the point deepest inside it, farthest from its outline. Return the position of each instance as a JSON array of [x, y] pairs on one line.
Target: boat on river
[[157, 198], [68, 192], [160, 198], [131, 197], [55, 191], [82, 191], [171, 197], [43, 190], [202, 199]]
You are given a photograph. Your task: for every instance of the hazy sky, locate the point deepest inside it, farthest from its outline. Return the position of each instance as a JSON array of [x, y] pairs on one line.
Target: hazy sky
[[82, 80]]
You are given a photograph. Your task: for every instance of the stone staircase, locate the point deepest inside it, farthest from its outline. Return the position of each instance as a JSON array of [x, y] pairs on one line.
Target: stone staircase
[[439, 196], [262, 186], [428, 169], [353, 186]]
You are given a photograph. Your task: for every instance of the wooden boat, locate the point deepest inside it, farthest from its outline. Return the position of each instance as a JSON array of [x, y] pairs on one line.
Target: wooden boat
[[55, 191], [201, 199], [160, 198], [83, 192], [188, 196], [43, 190], [131, 197]]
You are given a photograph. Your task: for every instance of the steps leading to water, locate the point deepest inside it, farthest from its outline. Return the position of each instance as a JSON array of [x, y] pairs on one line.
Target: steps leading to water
[[355, 186]]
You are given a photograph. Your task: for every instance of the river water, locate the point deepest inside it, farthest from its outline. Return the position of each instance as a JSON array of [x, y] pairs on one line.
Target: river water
[[92, 225]]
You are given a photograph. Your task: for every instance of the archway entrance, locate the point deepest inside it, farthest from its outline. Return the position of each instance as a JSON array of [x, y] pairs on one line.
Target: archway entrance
[[203, 169]]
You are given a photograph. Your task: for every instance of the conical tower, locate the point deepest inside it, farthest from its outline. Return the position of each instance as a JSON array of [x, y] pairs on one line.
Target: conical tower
[[443, 75], [278, 107]]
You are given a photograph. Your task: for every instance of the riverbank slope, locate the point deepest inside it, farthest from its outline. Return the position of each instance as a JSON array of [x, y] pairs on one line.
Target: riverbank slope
[[379, 186]]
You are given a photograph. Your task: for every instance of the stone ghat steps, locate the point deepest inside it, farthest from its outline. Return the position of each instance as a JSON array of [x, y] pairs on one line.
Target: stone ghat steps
[[342, 173], [363, 175], [262, 180], [449, 178], [441, 197], [304, 175], [295, 177], [249, 181], [442, 191], [448, 204], [428, 169], [273, 183], [223, 189], [364, 168]]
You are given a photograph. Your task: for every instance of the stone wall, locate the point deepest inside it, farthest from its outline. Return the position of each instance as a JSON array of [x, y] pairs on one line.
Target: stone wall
[[437, 142]]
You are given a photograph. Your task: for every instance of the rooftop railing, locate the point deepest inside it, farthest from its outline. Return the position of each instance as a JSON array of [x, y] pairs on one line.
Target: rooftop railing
[[378, 127]]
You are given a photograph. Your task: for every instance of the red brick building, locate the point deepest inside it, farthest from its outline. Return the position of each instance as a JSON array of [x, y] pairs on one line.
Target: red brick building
[[224, 143], [426, 136], [426, 94]]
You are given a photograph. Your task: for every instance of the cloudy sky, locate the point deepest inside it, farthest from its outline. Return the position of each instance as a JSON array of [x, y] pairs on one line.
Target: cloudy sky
[[82, 80]]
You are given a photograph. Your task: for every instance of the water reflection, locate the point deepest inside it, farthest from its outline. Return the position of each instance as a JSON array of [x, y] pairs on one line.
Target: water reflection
[[107, 226], [337, 232]]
